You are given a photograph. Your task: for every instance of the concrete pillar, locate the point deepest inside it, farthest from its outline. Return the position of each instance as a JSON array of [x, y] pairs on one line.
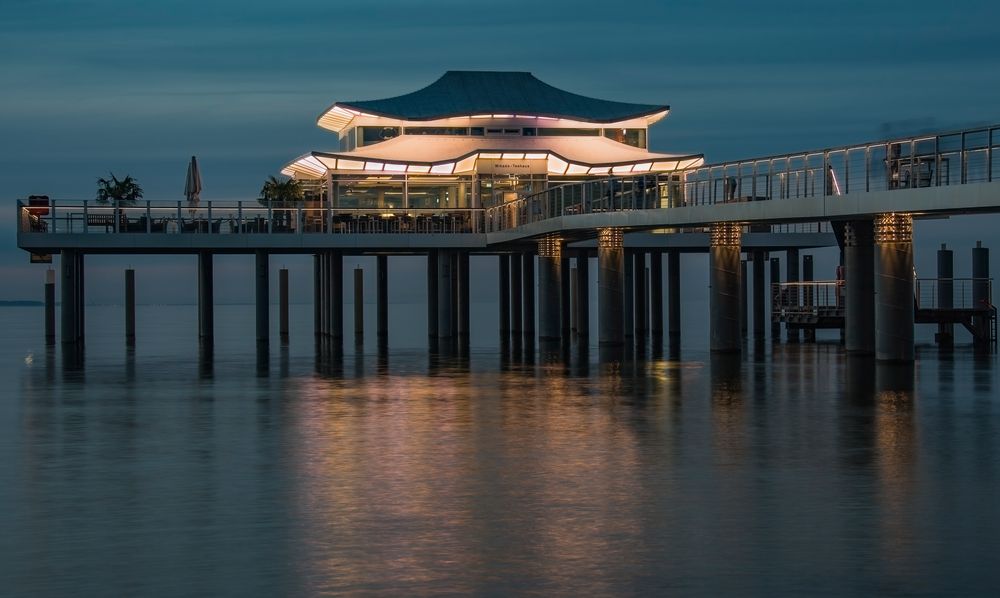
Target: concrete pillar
[[945, 336], [283, 304], [775, 280], [565, 323], [981, 295], [639, 292], [894, 288], [583, 293], [859, 287], [549, 288], [130, 306], [454, 293], [516, 297], [432, 293], [656, 294], [81, 317], [574, 303], [50, 306], [610, 287], [464, 305], [744, 279], [317, 295], [724, 295], [336, 294], [759, 296], [382, 297], [674, 296], [445, 295], [68, 264], [263, 296], [504, 299], [792, 272], [528, 295], [809, 334], [359, 302], [628, 307], [206, 296]]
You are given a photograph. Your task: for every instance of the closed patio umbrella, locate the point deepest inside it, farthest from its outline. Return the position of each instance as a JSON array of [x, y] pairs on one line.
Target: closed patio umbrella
[[192, 185]]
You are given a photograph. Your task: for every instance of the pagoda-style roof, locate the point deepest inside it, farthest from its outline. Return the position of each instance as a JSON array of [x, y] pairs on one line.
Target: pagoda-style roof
[[466, 93]]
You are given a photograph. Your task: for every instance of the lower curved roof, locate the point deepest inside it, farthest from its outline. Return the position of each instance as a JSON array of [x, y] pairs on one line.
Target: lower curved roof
[[464, 93], [447, 155]]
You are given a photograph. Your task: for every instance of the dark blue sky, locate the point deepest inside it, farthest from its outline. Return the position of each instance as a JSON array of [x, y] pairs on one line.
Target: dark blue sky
[[136, 87]]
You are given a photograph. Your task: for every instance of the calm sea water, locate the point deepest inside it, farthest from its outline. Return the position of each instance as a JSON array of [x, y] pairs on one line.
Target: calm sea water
[[794, 471]]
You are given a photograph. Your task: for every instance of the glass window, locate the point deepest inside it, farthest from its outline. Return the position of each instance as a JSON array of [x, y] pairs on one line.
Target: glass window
[[369, 193], [559, 132], [498, 132], [528, 131], [436, 131], [373, 135], [633, 137], [480, 131]]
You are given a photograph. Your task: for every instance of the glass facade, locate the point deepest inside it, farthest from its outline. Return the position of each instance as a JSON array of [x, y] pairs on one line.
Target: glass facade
[[369, 192], [633, 137], [498, 189]]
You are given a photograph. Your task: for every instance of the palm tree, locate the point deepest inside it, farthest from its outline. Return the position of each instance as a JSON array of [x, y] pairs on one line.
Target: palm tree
[[281, 192], [118, 190]]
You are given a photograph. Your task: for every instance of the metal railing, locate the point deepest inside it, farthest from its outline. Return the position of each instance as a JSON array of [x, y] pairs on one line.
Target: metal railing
[[91, 217], [954, 293], [811, 298], [952, 158]]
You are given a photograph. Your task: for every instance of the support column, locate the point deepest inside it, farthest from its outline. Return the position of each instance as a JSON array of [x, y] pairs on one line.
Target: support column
[[565, 323], [759, 296], [516, 297], [574, 300], [283, 304], [894, 288], [382, 297], [454, 293], [464, 305], [809, 334], [945, 336], [744, 279], [628, 308], [859, 287], [206, 296], [674, 296], [792, 272], [639, 293], [528, 295], [359, 303], [263, 296], [775, 280], [549, 288], [81, 317], [583, 293], [317, 295], [656, 294], [610, 286], [68, 264], [724, 295], [130, 306], [432, 293], [50, 306], [336, 293], [504, 299], [981, 295], [445, 295]]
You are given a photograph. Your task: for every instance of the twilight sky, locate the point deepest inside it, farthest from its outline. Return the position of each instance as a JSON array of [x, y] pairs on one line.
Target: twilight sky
[[137, 87]]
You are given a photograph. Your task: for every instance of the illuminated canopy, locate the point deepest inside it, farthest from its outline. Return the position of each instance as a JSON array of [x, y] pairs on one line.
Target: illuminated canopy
[[468, 93], [447, 155]]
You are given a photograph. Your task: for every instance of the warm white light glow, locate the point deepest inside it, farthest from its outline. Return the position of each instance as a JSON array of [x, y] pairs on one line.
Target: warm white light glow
[[513, 156], [622, 169], [557, 165], [418, 168], [374, 165], [577, 169], [446, 168], [395, 167], [467, 164], [535, 156]]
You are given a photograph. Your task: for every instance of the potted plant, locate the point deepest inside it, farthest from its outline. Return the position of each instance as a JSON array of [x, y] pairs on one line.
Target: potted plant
[[118, 191], [281, 194]]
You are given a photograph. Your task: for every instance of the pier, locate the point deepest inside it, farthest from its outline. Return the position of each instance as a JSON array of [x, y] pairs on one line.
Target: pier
[[544, 226]]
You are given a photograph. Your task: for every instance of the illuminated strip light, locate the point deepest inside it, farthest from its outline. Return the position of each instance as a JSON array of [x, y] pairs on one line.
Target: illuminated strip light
[[395, 168], [446, 168], [627, 168], [833, 179], [467, 164], [418, 168], [343, 164], [557, 165], [376, 166], [490, 156], [535, 156], [643, 167], [599, 170], [513, 157], [577, 169]]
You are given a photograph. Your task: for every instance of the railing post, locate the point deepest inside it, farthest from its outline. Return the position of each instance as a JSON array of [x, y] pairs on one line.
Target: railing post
[[179, 224], [298, 220], [239, 216], [85, 215], [270, 222], [210, 217], [149, 219]]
